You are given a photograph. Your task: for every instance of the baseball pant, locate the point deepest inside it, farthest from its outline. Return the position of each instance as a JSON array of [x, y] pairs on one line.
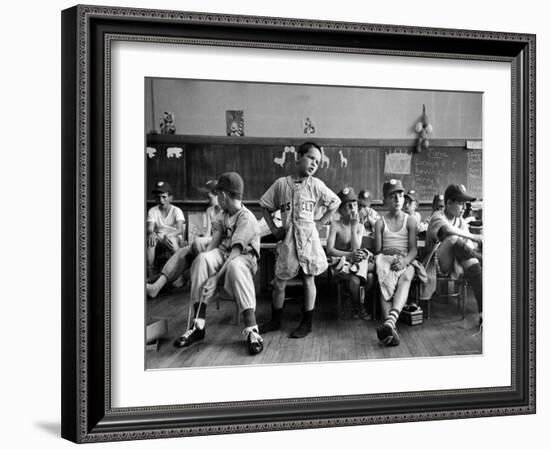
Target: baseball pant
[[238, 283], [183, 258]]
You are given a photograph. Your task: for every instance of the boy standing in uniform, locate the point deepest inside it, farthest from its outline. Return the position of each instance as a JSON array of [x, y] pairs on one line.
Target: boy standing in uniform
[[233, 253], [164, 224], [449, 246], [298, 197]]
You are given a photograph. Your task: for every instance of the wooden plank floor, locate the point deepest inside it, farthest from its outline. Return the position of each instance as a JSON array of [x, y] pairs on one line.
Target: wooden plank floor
[[333, 338]]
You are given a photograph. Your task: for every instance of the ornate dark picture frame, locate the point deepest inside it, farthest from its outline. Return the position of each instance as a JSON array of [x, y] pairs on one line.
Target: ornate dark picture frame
[[87, 34]]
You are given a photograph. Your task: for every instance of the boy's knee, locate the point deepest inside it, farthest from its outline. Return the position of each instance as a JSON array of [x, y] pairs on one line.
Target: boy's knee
[[354, 281], [236, 267], [408, 275], [279, 285]]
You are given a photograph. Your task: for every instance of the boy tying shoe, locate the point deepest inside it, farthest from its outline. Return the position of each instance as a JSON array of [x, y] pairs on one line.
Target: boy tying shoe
[[395, 246], [164, 224], [298, 197], [449, 246], [233, 253], [348, 260]]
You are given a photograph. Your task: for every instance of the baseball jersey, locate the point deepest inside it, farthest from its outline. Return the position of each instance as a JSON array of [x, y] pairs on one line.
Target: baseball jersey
[[437, 220], [165, 224], [368, 217], [241, 229], [298, 203]]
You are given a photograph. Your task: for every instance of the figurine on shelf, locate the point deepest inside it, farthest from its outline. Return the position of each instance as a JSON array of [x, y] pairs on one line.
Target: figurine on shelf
[[167, 123]]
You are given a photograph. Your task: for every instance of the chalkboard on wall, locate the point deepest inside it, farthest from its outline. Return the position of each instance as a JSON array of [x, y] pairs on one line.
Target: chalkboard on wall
[[432, 170], [187, 165]]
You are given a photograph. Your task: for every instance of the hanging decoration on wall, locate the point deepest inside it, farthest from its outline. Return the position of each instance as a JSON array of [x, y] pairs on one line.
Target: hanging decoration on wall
[[173, 152], [324, 159], [151, 152], [423, 128], [397, 162], [308, 125], [282, 159], [167, 123], [234, 123], [343, 160]]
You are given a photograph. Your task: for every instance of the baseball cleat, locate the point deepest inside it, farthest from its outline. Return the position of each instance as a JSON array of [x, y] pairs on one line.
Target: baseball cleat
[[188, 338]]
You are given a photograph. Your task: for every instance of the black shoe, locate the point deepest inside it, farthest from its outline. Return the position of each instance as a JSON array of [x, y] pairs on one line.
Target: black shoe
[[302, 330], [395, 340], [191, 336], [255, 342], [384, 332], [270, 326]]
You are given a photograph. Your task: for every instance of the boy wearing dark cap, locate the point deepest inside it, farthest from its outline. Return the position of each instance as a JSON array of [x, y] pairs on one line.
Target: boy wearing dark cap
[[299, 253], [348, 260], [232, 253], [396, 250], [367, 214], [449, 246], [409, 207], [165, 224]]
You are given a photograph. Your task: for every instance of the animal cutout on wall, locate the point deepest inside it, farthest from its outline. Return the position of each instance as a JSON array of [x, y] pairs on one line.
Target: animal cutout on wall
[[423, 129], [343, 160], [324, 159], [151, 152], [173, 152], [282, 159]]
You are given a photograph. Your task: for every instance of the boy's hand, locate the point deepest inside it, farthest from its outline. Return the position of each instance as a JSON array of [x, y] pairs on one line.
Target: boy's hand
[[278, 233], [209, 288], [356, 256], [398, 265], [152, 239], [354, 217]]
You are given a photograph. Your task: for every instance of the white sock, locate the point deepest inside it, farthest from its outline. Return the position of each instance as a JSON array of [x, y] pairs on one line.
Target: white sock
[[199, 323]]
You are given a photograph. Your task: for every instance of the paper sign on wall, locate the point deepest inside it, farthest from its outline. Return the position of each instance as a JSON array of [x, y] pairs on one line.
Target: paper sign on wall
[[398, 163]]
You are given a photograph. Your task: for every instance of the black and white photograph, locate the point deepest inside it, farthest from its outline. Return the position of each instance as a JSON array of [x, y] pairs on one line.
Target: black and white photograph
[[301, 223]]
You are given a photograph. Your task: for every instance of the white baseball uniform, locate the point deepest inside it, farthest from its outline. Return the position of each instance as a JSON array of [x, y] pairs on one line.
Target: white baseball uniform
[[298, 203], [238, 229]]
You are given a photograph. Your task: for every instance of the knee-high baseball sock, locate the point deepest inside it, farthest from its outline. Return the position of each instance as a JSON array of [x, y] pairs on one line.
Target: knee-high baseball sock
[[275, 323], [249, 318], [392, 317], [200, 314], [474, 275]]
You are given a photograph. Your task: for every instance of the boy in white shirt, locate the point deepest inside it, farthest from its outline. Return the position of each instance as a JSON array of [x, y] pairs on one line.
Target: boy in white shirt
[[165, 224]]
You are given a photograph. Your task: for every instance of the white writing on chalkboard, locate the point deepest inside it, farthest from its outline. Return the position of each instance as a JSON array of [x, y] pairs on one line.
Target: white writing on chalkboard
[[475, 173]]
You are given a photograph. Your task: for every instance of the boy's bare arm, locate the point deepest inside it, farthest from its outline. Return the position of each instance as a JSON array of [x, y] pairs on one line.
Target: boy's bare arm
[[413, 250], [447, 230], [328, 213], [331, 250], [216, 240], [378, 236]]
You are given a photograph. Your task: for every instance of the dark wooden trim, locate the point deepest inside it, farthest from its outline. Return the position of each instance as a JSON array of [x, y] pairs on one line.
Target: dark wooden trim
[[180, 139]]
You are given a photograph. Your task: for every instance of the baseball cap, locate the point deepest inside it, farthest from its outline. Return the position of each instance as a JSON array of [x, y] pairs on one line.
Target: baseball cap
[[392, 186], [162, 187], [365, 195], [457, 192], [347, 194], [411, 195], [230, 182], [438, 201], [208, 187]]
